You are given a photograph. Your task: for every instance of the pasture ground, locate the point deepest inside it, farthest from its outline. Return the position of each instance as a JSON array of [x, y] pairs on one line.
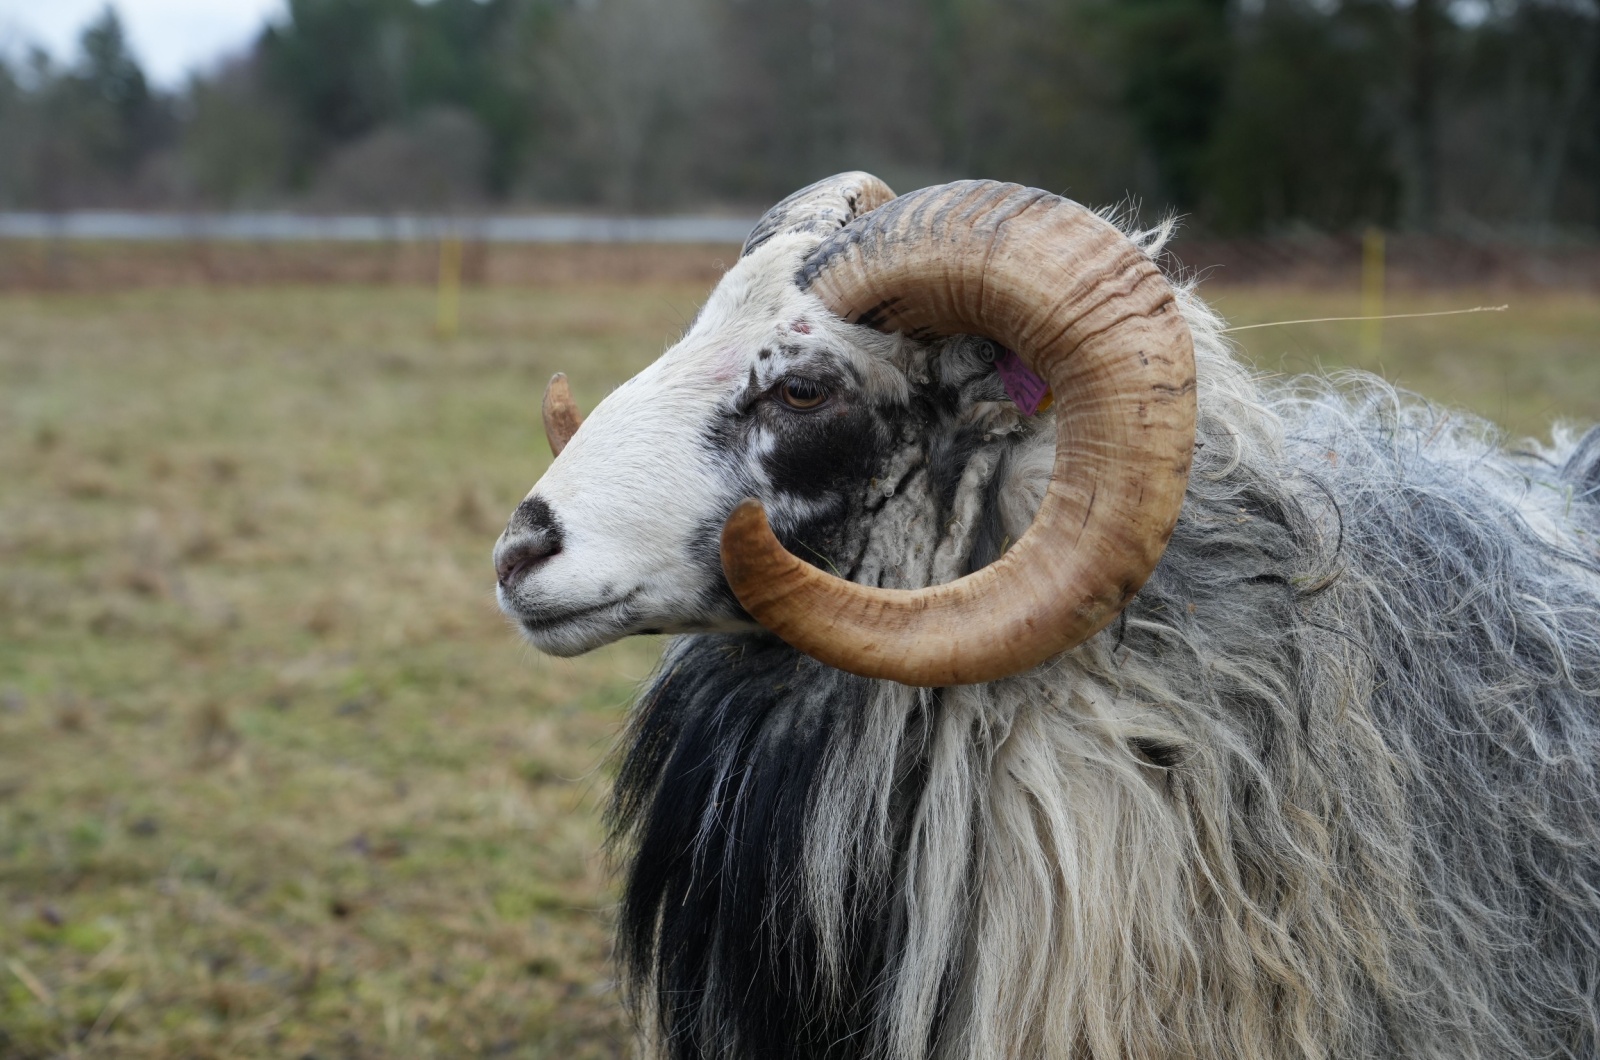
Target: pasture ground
[[275, 778]]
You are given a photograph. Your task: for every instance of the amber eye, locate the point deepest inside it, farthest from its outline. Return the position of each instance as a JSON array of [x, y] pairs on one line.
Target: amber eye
[[802, 394]]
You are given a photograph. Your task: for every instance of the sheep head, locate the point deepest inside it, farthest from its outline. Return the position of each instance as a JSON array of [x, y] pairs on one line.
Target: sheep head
[[738, 480]]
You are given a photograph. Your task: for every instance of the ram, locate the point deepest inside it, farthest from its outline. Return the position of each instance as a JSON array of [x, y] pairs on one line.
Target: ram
[[1201, 715]]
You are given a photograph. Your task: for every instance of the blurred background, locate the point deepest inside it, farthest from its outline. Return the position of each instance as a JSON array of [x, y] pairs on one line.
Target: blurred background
[[1466, 116], [281, 284]]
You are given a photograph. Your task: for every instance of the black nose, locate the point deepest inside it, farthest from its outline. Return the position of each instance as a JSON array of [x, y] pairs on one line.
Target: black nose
[[532, 536]]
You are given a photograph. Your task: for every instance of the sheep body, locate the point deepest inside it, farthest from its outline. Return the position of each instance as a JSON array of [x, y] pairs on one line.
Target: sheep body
[[1330, 787]]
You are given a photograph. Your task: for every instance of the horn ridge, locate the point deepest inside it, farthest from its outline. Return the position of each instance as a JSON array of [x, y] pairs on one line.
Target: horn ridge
[[1090, 313], [821, 208]]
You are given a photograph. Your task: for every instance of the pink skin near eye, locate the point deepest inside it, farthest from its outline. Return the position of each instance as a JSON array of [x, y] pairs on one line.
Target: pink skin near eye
[[729, 365]]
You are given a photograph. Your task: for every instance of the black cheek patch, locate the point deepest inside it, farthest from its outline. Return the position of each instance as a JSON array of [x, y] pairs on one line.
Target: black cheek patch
[[820, 459], [821, 452]]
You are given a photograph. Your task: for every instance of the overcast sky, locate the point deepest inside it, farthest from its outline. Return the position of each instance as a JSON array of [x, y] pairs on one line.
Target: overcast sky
[[170, 37]]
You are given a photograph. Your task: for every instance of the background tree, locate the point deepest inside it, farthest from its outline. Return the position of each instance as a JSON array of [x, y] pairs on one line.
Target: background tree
[[1306, 129], [1176, 57], [1248, 115]]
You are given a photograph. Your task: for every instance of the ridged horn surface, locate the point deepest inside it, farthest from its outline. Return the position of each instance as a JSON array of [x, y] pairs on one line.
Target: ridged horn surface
[[561, 416], [1089, 312], [821, 208]]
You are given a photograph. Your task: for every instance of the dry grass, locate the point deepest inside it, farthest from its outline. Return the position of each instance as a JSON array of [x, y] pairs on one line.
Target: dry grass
[[1537, 362], [275, 779]]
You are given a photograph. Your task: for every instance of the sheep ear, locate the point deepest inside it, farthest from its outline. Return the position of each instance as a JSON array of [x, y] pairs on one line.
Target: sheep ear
[[561, 416]]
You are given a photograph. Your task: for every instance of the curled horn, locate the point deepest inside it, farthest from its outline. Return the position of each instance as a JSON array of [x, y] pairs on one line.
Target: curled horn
[[1091, 314], [561, 416], [821, 208]]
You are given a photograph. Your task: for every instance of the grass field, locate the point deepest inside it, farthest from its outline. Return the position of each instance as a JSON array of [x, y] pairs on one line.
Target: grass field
[[275, 778]]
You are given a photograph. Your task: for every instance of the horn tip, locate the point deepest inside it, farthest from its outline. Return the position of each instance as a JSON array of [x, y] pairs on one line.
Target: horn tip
[[748, 517], [751, 553]]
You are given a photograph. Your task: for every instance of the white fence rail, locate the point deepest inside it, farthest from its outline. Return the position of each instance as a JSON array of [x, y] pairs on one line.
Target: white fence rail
[[118, 226]]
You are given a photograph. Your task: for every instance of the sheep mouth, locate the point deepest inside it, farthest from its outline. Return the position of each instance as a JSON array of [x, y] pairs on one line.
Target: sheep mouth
[[575, 630], [539, 623]]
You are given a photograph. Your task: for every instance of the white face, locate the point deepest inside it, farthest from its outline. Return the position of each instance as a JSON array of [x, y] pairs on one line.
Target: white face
[[768, 395]]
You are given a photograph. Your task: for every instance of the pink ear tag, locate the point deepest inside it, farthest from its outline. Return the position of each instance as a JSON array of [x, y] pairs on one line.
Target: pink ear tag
[[1031, 394]]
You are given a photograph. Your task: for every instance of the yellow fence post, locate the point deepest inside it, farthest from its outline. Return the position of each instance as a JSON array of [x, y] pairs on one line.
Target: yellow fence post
[[1372, 283], [449, 321]]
